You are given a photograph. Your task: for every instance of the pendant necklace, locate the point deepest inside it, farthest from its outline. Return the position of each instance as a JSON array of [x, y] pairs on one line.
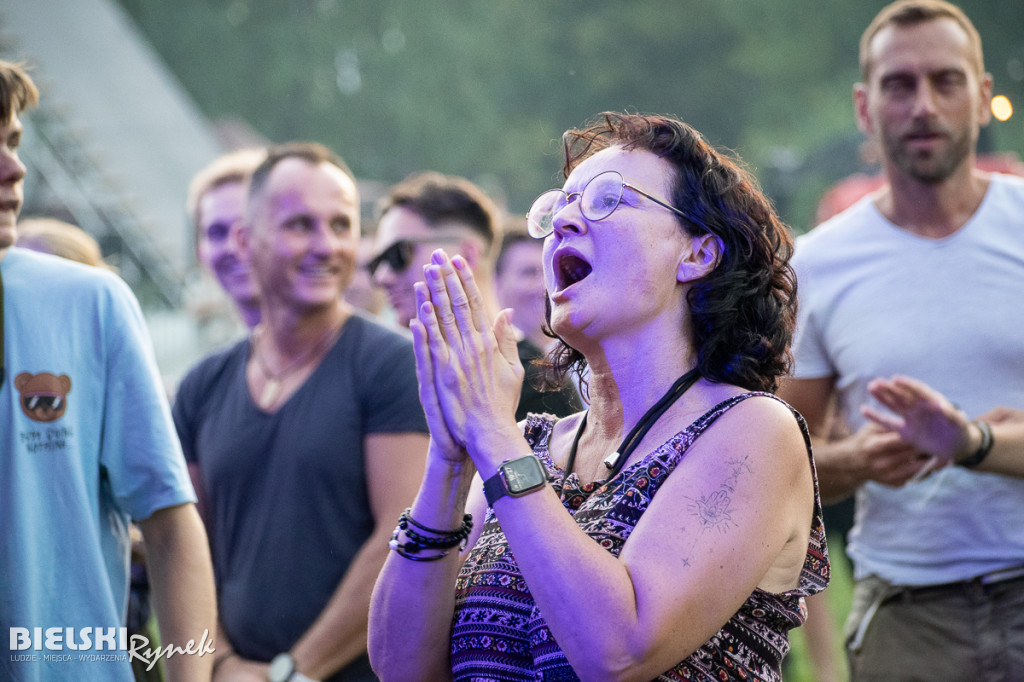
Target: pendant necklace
[[615, 461], [273, 380]]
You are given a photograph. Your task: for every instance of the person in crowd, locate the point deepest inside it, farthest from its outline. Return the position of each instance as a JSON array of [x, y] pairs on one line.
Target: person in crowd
[[307, 437], [519, 284], [426, 211], [919, 279], [88, 446], [56, 237], [216, 204], [430, 210], [671, 530]]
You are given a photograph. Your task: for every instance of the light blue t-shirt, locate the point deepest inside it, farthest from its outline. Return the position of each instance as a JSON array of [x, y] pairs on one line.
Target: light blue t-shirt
[[876, 300], [86, 445]]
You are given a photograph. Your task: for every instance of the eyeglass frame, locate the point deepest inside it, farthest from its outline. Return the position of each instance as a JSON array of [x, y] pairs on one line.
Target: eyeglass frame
[[539, 232], [374, 263]]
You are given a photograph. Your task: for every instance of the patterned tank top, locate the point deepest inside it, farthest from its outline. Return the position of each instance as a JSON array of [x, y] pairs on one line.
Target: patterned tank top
[[499, 634]]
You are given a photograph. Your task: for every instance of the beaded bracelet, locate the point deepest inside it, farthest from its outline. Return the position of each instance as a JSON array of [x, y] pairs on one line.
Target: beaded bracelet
[[411, 550], [417, 542], [447, 539], [987, 441], [467, 525]]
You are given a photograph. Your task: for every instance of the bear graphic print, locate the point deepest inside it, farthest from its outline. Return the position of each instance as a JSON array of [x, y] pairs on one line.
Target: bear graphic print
[[44, 396]]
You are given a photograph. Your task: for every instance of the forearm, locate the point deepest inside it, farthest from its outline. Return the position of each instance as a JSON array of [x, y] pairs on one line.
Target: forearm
[[1006, 456], [565, 569], [338, 636], [413, 601], [837, 479], [178, 562]]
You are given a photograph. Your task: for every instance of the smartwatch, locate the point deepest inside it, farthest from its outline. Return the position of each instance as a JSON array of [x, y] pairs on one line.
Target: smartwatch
[[515, 477]]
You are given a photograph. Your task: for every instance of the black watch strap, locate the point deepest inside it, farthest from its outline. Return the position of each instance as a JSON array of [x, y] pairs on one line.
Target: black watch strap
[[495, 488], [516, 477]]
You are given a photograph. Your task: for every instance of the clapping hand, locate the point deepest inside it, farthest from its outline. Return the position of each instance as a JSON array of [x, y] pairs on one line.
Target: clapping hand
[[469, 370], [922, 417]]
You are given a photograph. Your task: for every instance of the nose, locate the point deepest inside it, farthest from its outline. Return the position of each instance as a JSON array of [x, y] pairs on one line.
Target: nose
[[569, 220], [924, 99], [12, 170], [323, 240]]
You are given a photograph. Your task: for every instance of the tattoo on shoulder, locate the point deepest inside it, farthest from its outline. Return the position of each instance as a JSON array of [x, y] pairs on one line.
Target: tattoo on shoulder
[[713, 512]]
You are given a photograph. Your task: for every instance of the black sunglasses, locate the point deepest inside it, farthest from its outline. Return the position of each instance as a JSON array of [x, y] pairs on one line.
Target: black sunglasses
[[400, 253], [397, 257]]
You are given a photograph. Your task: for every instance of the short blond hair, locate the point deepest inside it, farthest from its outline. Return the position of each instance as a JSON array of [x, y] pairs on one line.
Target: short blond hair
[[236, 166], [911, 13], [49, 235]]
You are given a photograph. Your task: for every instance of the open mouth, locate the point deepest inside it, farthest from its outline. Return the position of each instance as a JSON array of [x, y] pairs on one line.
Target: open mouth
[[570, 268]]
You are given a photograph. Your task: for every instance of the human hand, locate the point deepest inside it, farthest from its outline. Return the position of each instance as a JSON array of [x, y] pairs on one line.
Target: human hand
[[477, 373], [923, 417], [442, 443], [877, 454]]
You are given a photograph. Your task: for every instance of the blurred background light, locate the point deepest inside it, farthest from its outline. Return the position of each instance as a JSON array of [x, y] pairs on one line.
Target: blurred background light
[[1002, 108]]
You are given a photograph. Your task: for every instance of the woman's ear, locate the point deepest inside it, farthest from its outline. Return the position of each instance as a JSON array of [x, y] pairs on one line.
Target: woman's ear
[[700, 258]]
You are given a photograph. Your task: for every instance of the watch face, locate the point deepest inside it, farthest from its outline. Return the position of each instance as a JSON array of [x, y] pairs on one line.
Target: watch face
[[523, 474]]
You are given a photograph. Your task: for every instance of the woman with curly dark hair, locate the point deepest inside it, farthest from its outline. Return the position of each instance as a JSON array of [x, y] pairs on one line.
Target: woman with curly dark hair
[[672, 530]]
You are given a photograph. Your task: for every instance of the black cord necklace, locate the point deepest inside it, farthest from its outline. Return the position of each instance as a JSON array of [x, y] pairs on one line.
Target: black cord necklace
[[617, 459]]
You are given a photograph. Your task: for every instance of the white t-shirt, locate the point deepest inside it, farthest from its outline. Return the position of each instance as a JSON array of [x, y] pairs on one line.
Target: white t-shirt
[[877, 300]]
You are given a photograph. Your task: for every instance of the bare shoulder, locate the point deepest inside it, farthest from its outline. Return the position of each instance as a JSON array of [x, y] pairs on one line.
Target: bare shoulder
[[761, 431]]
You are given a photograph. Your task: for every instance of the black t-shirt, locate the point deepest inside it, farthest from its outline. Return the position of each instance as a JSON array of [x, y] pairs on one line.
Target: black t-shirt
[[287, 493]]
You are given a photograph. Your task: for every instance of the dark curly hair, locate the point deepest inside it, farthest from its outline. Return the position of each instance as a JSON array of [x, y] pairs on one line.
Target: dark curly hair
[[743, 312]]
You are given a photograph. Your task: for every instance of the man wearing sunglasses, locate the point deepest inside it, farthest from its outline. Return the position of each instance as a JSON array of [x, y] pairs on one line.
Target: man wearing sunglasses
[[429, 211], [425, 212], [86, 446]]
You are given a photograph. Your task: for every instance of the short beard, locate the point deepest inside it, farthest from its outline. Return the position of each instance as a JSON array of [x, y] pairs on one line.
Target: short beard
[[931, 170]]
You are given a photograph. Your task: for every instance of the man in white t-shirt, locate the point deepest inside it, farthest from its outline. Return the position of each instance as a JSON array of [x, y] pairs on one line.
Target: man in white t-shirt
[[922, 279]]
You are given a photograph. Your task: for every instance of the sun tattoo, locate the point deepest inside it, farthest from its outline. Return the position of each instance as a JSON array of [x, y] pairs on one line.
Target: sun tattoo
[[714, 511]]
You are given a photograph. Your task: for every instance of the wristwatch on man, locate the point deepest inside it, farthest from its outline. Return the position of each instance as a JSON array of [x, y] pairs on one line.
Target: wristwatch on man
[[516, 478], [282, 669]]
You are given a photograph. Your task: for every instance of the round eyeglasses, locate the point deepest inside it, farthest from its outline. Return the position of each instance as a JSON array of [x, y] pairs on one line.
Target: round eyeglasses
[[598, 199]]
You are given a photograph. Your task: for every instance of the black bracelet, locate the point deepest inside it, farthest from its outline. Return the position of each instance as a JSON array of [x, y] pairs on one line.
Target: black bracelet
[[467, 524], [447, 539], [987, 441], [417, 542], [411, 550]]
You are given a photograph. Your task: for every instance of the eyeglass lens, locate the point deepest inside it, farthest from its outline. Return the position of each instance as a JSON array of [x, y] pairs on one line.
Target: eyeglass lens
[[598, 200]]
